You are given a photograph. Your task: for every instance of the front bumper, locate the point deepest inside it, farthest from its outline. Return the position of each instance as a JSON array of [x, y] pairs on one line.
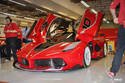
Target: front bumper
[[53, 64]]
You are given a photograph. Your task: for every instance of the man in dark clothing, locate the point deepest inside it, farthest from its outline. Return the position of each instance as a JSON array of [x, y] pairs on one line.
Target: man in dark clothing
[[11, 33], [0, 54], [121, 35]]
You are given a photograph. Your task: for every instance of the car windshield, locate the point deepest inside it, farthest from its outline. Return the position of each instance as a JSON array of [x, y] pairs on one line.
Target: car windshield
[[60, 30]]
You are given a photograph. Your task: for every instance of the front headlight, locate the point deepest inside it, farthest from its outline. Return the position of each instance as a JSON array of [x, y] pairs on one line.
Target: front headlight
[[71, 46]]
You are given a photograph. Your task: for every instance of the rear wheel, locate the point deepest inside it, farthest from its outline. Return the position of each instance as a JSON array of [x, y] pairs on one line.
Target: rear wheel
[[105, 49], [87, 56]]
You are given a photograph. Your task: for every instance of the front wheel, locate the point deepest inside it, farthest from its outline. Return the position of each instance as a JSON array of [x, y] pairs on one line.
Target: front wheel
[[87, 56]]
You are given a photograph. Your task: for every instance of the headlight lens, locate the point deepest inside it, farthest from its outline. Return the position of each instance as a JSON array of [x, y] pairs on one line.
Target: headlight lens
[[71, 46]]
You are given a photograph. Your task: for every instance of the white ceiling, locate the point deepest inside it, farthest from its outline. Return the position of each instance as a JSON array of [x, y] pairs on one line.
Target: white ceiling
[[65, 7], [77, 8]]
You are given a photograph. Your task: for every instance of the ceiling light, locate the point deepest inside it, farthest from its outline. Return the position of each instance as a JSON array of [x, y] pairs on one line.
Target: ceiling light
[[73, 17], [63, 13], [29, 18], [84, 3], [104, 19], [17, 2], [94, 11], [40, 10], [47, 8], [107, 22], [29, 1], [8, 14], [57, 15]]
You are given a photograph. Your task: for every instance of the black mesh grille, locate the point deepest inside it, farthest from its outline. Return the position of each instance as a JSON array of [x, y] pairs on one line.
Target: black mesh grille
[[42, 62], [25, 62], [97, 48], [56, 63]]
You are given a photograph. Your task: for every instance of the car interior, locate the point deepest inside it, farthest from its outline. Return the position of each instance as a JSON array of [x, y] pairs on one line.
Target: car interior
[[60, 30]]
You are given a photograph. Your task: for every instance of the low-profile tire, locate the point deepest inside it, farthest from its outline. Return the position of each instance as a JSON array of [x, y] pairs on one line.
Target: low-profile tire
[[87, 56], [105, 49]]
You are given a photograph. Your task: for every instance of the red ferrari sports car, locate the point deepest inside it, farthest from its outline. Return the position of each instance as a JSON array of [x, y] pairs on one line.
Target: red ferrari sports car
[[56, 48]]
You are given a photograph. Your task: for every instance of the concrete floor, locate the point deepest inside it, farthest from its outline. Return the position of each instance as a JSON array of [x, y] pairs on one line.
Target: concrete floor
[[96, 73]]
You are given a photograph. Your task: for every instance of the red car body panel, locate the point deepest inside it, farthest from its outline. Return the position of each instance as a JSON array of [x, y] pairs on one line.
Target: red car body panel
[[75, 54], [69, 54], [89, 33]]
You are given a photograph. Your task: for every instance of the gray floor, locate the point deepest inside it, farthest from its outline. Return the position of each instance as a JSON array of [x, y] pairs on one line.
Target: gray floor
[[96, 73]]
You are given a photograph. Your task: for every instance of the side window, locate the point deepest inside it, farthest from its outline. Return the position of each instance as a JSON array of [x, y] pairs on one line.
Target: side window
[[87, 23]]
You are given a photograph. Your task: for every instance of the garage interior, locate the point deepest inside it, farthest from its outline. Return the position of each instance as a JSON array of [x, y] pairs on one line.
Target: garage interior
[[25, 12]]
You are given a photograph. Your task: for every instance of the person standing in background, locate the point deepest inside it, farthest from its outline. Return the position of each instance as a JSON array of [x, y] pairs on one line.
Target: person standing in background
[[25, 32], [121, 35], [0, 55], [11, 31]]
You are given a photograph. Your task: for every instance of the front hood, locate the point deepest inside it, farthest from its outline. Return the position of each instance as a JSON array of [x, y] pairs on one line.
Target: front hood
[[49, 52], [27, 49]]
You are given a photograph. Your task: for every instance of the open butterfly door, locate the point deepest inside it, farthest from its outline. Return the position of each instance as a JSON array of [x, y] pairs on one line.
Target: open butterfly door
[[89, 26], [39, 29]]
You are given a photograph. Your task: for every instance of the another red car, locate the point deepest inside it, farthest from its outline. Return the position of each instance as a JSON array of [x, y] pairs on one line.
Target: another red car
[[55, 49]]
